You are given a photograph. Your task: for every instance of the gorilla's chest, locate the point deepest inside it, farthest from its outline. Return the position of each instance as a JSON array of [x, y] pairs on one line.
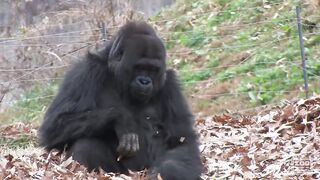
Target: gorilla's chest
[[152, 136], [149, 121]]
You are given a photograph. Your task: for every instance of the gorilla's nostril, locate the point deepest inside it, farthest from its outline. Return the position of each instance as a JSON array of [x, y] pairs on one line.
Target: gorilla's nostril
[[144, 81]]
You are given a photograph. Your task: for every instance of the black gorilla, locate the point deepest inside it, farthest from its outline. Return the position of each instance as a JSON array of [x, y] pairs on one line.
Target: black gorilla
[[120, 109]]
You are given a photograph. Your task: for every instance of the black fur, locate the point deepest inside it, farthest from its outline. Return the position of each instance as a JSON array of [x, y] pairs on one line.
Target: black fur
[[121, 109]]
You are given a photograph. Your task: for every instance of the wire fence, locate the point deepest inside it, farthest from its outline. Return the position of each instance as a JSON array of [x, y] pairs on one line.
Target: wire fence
[[84, 39]]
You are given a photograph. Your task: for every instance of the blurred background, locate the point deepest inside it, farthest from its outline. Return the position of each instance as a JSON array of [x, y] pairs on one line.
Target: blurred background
[[238, 55]]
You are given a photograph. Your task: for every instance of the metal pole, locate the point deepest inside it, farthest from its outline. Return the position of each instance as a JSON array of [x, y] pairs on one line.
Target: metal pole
[[103, 31], [303, 58]]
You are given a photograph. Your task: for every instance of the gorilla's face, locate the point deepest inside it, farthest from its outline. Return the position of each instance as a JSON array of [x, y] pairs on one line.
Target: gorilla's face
[[139, 65], [147, 62]]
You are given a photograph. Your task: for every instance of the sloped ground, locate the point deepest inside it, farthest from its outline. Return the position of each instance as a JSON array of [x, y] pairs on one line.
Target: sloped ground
[[240, 54], [282, 142]]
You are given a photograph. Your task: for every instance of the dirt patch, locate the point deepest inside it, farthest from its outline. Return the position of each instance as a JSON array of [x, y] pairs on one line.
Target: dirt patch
[[213, 98], [228, 60], [227, 28]]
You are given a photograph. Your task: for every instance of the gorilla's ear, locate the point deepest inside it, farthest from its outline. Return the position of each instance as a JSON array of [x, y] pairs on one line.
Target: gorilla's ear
[[100, 55], [94, 56], [116, 50]]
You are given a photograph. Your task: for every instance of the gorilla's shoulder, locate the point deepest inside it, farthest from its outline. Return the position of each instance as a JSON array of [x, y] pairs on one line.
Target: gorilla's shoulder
[[172, 78], [172, 86], [93, 65]]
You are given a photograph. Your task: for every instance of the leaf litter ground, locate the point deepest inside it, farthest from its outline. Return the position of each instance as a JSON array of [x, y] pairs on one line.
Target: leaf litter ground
[[278, 143]]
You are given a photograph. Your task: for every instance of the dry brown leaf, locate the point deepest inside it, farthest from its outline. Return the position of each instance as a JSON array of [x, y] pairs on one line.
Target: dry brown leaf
[[232, 146], [159, 177]]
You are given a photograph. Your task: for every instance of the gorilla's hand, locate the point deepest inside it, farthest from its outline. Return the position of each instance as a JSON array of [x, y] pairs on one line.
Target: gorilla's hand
[[153, 174], [128, 144], [124, 127]]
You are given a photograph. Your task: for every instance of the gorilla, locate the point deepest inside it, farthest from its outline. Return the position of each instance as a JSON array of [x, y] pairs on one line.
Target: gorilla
[[121, 109]]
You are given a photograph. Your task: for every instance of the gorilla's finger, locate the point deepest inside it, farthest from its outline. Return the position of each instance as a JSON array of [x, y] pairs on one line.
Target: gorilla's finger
[[128, 146], [136, 143], [122, 144]]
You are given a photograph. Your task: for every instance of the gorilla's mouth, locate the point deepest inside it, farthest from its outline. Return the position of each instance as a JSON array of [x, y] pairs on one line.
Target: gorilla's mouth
[[141, 95], [140, 92]]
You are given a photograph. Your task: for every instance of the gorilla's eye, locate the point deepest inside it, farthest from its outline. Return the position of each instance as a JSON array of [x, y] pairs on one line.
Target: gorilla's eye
[[119, 54], [148, 68], [154, 69]]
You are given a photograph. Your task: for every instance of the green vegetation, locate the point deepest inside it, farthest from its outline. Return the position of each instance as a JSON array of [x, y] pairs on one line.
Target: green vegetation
[[190, 76], [31, 105], [20, 141], [223, 30]]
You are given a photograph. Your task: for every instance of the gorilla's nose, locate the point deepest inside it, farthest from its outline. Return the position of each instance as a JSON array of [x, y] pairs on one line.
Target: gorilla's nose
[[143, 80]]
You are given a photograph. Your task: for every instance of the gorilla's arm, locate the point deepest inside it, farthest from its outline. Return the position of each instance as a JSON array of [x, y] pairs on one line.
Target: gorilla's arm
[[182, 160], [74, 112], [70, 114], [68, 127]]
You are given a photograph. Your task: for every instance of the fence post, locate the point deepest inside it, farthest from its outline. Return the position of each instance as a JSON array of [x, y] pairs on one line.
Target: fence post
[[303, 58], [104, 31]]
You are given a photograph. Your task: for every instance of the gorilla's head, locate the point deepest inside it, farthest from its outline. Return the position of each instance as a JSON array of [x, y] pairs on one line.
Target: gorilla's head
[[137, 60]]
